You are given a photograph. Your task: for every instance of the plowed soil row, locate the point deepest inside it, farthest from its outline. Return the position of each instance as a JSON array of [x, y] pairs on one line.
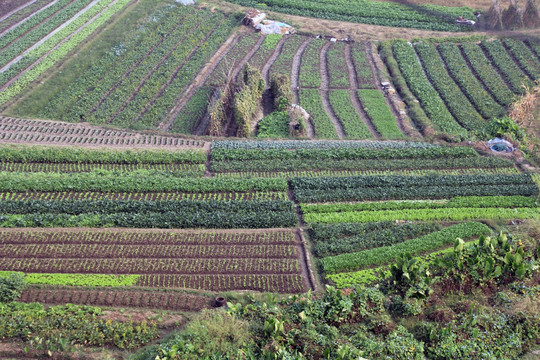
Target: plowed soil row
[[118, 298], [145, 237], [86, 167], [45, 132], [100, 251], [281, 283], [225, 196], [200, 266]]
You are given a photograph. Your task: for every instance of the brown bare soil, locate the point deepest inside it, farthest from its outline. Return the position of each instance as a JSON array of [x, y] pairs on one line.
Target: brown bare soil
[[170, 300], [56, 133]]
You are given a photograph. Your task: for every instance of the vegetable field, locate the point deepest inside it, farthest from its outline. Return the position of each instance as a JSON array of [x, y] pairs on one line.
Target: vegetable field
[[462, 86]]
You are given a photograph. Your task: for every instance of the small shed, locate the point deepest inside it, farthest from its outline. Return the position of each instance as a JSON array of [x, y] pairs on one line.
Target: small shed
[[253, 18]]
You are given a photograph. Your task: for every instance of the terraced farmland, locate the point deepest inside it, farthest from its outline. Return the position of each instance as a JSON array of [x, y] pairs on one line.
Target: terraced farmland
[[462, 86]]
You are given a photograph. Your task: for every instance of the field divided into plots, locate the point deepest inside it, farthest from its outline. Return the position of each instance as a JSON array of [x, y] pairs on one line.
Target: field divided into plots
[[101, 218], [325, 77], [411, 198], [462, 86], [212, 261]]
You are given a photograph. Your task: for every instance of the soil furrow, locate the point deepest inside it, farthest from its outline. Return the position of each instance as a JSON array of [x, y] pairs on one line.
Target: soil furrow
[[29, 16], [173, 76], [353, 82], [469, 65], [51, 34], [143, 81], [295, 74], [56, 46], [199, 81], [232, 128]]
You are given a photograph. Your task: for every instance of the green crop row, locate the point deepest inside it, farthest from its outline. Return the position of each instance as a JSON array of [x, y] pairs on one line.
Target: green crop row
[[378, 110], [122, 106], [41, 154], [138, 182], [457, 202], [192, 113], [417, 82], [409, 181], [77, 207], [334, 232], [337, 66], [344, 153], [423, 192], [371, 165], [318, 144], [283, 63], [310, 75], [189, 219], [311, 101], [427, 17], [353, 125], [457, 66], [443, 214], [489, 76], [374, 239], [457, 103], [58, 53], [364, 76], [81, 279], [524, 56], [386, 254], [512, 73]]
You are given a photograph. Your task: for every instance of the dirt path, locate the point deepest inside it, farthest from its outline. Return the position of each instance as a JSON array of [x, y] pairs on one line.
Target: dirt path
[[232, 128], [28, 17], [16, 10], [323, 69], [57, 46], [199, 81], [353, 83], [145, 78], [175, 73], [54, 32], [295, 74]]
